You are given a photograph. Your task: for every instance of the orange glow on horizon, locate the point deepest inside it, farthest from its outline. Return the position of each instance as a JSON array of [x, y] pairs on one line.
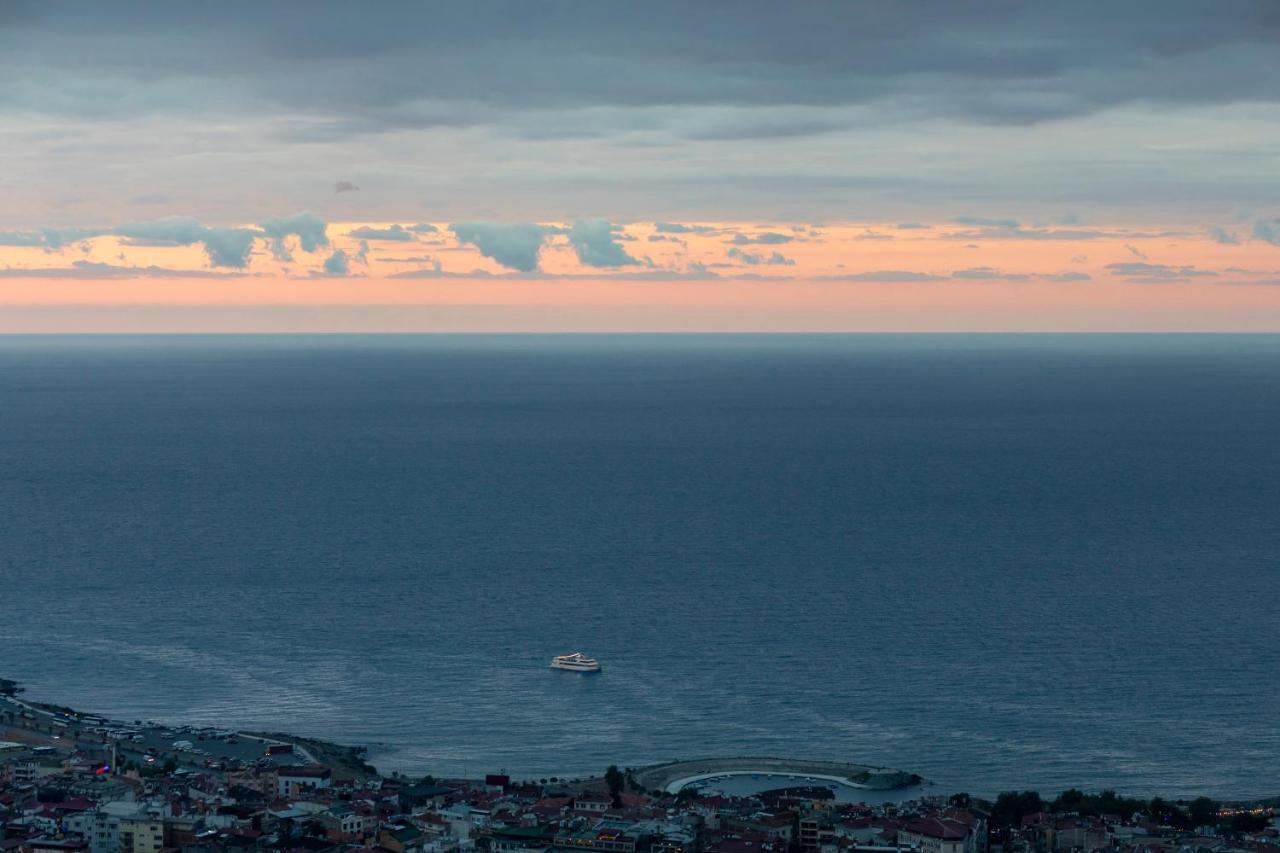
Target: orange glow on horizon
[[852, 277]]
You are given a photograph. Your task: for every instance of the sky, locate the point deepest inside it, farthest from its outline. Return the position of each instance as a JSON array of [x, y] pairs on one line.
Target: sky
[[586, 166]]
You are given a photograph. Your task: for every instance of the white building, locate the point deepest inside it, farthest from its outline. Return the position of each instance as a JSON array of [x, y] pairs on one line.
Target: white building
[[294, 781], [100, 828]]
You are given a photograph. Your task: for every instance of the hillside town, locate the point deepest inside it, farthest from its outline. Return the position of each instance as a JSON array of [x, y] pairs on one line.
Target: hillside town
[[74, 783]]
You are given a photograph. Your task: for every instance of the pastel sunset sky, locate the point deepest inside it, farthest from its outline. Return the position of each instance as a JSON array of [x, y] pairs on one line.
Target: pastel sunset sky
[[587, 166]]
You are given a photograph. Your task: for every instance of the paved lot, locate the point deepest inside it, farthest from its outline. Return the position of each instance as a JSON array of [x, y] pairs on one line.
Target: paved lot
[[64, 733], [239, 748]]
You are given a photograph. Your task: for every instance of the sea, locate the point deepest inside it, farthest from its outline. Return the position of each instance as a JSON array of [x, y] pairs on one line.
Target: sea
[[999, 561]]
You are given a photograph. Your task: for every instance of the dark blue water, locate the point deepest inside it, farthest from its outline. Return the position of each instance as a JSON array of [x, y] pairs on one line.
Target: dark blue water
[[998, 561]]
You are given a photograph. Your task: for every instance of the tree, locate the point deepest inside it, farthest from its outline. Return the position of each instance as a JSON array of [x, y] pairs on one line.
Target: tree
[[1164, 812], [1202, 811], [615, 780], [1109, 802], [960, 801], [1012, 806], [1070, 800]]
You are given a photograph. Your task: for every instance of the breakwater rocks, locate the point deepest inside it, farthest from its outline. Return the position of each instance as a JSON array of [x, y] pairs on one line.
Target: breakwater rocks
[[346, 762], [673, 775]]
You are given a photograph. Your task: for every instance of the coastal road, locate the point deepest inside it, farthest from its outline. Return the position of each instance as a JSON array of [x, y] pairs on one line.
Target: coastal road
[[63, 733]]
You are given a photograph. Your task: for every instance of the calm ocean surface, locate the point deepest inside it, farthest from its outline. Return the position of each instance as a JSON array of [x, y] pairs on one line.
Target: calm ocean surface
[[999, 561]]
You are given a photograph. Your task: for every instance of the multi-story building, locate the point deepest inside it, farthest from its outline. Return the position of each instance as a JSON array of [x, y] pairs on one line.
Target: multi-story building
[[141, 835], [99, 828], [294, 781], [815, 830]]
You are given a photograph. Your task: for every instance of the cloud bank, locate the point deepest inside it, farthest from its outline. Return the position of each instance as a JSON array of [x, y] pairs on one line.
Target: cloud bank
[[517, 246], [596, 243]]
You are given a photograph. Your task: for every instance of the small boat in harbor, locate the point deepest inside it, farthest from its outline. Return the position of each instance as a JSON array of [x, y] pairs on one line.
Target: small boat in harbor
[[575, 662]]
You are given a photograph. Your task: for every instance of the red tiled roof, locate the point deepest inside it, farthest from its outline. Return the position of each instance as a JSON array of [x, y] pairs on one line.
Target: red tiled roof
[[937, 828]]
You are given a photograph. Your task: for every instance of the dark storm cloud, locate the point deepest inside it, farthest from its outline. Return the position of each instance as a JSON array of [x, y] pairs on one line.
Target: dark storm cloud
[[414, 64]]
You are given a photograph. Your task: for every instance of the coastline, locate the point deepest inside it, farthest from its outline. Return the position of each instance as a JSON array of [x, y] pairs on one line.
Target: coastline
[[48, 722]]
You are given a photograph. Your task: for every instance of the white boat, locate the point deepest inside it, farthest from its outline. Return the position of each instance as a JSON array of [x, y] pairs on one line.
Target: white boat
[[575, 662]]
